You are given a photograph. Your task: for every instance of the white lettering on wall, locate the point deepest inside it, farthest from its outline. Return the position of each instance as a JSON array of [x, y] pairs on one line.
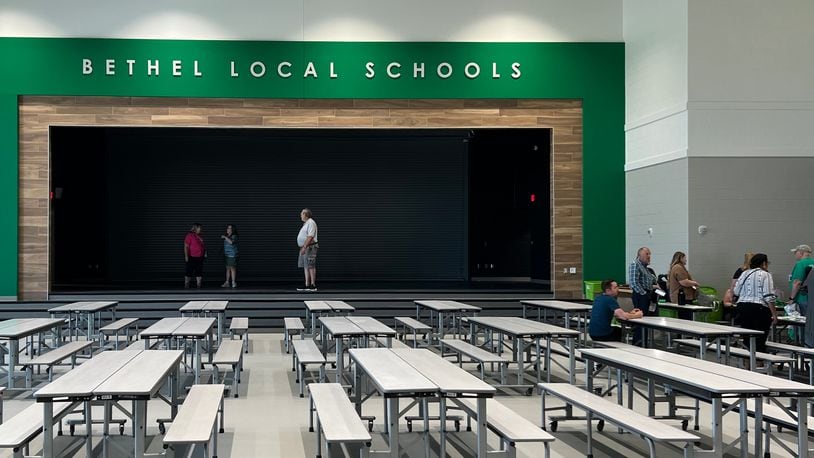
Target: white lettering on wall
[[233, 72], [391, 73], [87, 67], [152, 66], [418, 69], [287, 72], [370, 73], [310, 70], [332, 71], [472, 70], [197, 73], [516, 70], [257, 69], [110, 67], [495, 74], [444, 70], [176, 68], [130, 63]]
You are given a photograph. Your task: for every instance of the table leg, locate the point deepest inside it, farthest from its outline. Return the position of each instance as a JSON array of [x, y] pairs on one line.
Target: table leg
[[752, 351], [197, 360], [802, 428], [440, 325], [106, 428], [139, 421], [442, 414], [547, 359], [572, 363], [48, 429], [518, 352], [339, 360], [744, 425], [88, 429], [174, 381], [211, 353], [481, 451], [717, 427], [524, 310], [91, 318], [13, 354], [393, 425], [220, 327]]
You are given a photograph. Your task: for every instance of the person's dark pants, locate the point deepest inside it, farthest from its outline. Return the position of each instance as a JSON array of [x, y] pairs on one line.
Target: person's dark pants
[[641, 302], [614, 336], [757, 317]]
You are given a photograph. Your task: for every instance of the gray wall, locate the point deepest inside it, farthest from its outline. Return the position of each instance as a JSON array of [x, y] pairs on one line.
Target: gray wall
[[657, 198], [748, 204]]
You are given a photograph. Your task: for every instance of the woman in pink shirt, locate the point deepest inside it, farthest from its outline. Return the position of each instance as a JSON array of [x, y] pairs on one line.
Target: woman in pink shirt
[[194, 254]]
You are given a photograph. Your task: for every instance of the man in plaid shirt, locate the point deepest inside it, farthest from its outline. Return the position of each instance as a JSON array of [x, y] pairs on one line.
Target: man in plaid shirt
[[642, 282]]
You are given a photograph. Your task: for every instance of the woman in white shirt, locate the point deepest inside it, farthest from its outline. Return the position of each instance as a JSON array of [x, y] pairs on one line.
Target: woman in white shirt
[[756, 296]]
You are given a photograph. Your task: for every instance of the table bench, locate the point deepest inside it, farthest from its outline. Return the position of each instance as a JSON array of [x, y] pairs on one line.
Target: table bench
[[476, 354], [197, 418], [649, 429], [306, 353], [114, 328], [796, 352], [24, 427], [293, 326], [54, 357], [774, 415], [240, 326], [509, 425], [417, 328], [336, 419], [744, 354], [230, 354]]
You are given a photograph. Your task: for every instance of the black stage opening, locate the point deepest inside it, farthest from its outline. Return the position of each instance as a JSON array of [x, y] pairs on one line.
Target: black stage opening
[[410, 208]]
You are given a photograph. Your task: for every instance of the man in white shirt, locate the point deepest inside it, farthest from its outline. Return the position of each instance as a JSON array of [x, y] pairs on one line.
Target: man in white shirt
[[308, 241]]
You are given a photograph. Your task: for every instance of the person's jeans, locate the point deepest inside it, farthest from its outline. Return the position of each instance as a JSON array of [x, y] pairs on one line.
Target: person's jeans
[[641, 302]]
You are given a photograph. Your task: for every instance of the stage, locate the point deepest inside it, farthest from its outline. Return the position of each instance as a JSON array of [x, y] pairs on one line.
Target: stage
[[267, 303]]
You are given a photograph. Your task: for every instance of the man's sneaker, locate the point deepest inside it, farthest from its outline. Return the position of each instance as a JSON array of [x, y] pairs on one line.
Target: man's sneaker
[[225, 285], [234, 285], [312, 288], [303, 288]]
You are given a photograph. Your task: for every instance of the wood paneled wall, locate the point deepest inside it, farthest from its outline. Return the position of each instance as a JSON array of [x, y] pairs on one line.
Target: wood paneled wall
[[37, 113]]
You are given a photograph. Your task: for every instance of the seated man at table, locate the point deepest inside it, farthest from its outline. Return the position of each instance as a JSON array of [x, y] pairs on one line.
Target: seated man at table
[[606, 308]]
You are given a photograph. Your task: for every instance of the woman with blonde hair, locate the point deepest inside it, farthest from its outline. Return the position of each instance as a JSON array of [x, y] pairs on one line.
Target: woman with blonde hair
[[729, 296], [680, 279]]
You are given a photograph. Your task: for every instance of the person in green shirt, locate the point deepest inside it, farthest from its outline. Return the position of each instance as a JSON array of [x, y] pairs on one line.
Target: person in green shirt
[[799, 293]]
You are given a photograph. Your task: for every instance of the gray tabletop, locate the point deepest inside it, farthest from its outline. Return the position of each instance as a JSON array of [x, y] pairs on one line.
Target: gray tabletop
[[340, 306], [686, 307], [685, 326], [68, 307], [340, 326], [447, 306], [371, 326], [317, 306], [163, 327], [143, 375], [82, 380], [193, 306], [775, 384], [447, 376], [390, 373], [97, 306], [520, 326], [678, 374], [194, 327], [560, 305], [23, 328], [216, 306]]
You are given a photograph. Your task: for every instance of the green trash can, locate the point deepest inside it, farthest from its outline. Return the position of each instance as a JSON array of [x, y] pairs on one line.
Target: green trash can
[[592, 288]]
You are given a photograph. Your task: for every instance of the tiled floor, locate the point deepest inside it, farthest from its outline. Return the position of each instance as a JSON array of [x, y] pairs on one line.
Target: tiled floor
[[270, 420]]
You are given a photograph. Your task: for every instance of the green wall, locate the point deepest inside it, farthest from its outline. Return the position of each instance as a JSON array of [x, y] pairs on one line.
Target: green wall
[[593, 72]]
